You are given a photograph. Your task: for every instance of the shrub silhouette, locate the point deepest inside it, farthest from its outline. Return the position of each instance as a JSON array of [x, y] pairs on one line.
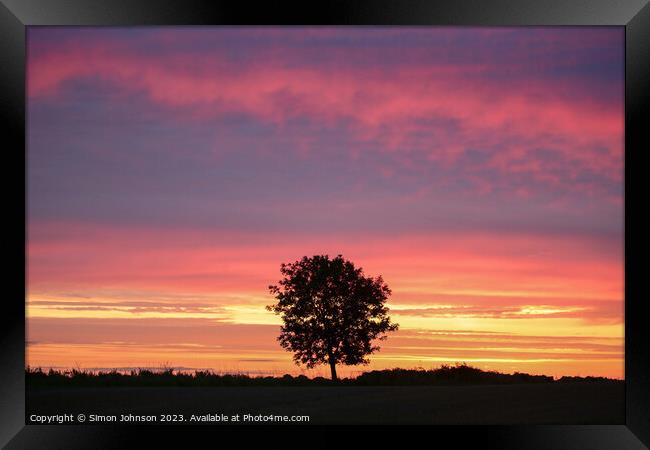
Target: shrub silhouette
[[332, 313]]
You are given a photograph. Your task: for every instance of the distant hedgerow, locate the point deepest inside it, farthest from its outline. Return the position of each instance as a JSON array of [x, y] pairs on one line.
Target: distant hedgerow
[[458, 374]]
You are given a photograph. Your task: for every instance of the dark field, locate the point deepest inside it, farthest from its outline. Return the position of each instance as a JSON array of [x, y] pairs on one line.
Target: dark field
[[539, 403]]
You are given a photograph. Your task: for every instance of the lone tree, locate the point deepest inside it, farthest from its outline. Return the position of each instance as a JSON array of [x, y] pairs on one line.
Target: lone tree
[[331, 311]]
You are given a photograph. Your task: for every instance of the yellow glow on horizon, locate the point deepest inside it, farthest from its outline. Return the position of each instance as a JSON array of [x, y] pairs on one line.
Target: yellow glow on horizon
[[251, 315], [522, 326]]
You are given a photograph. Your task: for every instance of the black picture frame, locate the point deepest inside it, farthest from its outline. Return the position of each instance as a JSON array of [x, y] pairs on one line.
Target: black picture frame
[[634, 15]]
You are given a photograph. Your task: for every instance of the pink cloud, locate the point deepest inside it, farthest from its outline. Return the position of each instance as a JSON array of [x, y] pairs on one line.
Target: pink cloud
[[580, 276], [378, 104]]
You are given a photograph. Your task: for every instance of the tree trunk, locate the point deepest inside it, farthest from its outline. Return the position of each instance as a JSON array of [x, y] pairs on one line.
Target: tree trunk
[[333, 369]]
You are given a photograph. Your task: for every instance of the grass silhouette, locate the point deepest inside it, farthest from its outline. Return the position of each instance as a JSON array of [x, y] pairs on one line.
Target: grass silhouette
[[458, 374]]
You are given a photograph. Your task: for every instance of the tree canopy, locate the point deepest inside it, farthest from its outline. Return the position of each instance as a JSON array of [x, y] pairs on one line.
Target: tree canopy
[[332, 312]]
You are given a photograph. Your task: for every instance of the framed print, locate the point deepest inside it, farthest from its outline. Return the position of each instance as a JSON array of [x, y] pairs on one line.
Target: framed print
[[292, 218]]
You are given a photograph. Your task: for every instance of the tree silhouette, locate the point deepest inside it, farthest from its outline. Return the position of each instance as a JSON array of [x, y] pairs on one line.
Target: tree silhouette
[[331, 311]]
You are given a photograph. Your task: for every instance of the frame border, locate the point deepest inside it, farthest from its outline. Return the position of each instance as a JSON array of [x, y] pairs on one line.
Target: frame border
[[634, 15]]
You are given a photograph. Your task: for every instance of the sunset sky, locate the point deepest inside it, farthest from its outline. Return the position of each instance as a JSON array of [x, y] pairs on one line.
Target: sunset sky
[[478, 170]]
